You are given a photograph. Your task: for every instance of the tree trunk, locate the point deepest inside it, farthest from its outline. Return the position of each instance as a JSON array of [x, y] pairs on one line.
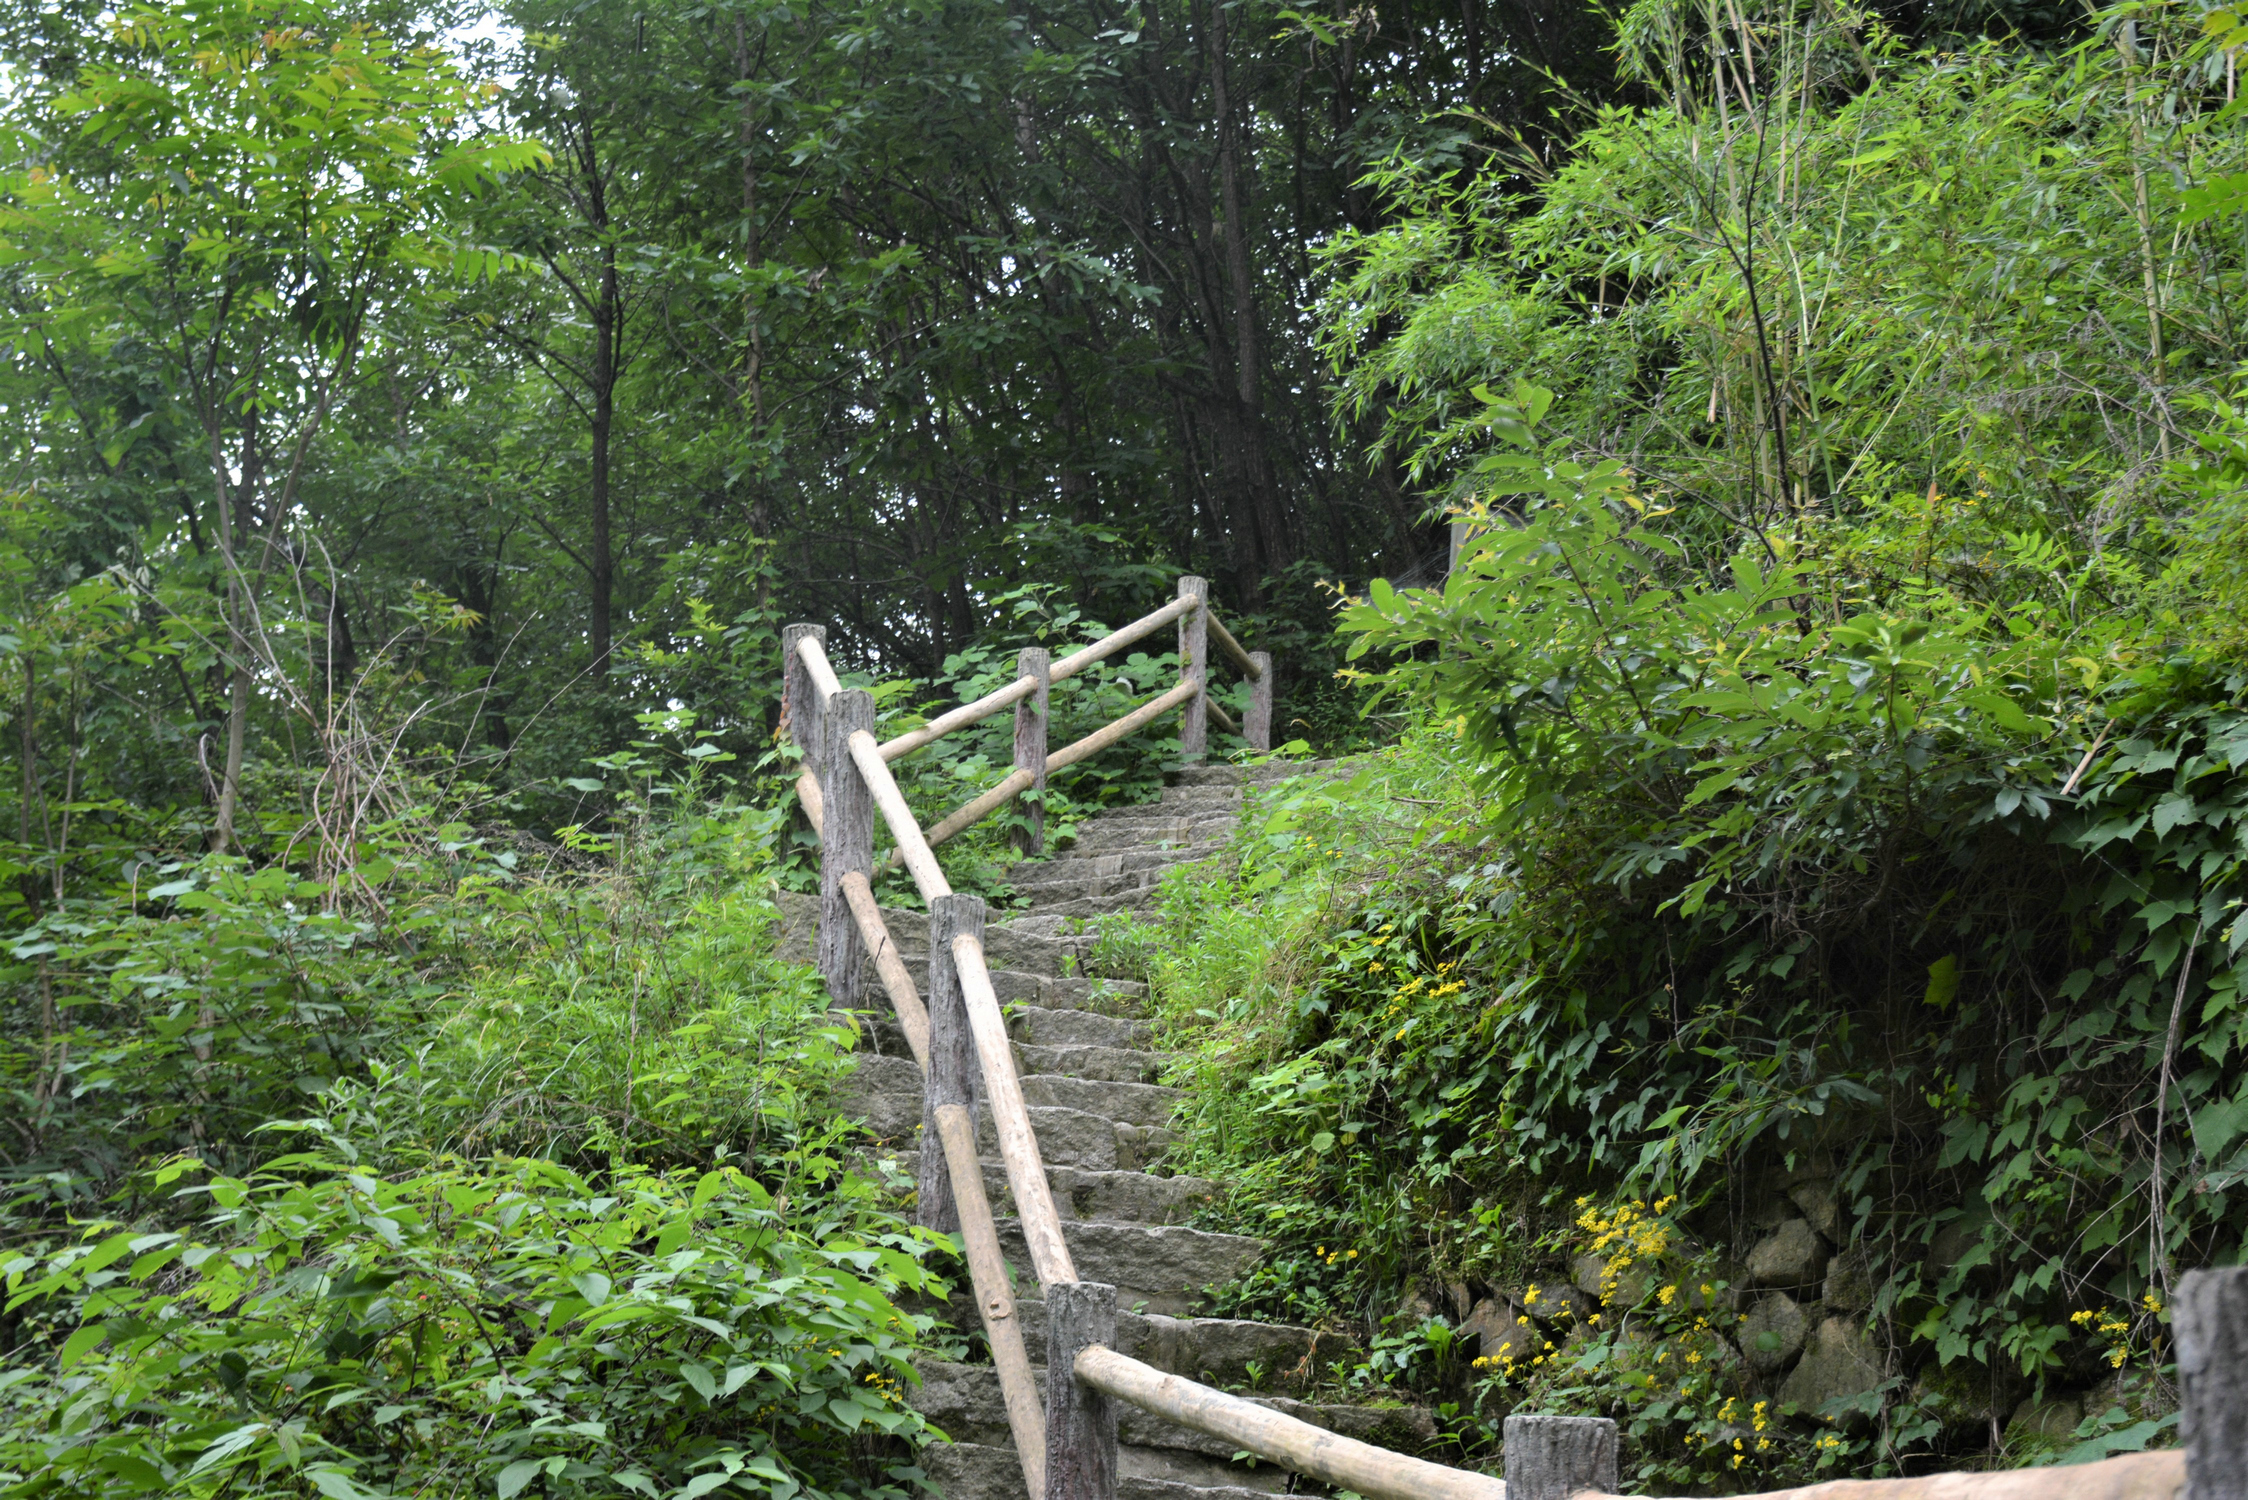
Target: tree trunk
[[1265, 547], [237, 653], [607, 314]]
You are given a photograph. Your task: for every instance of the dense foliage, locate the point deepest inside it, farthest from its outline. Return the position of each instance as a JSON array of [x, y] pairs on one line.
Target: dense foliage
[[1824, 755], [1834, 764]]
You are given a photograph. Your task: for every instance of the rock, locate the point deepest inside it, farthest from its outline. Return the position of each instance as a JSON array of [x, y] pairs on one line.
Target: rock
[[1502, 1331], [1791, 1256], [1769, 1210], [1415, 1310], [1718, 1288], [1562, 1304], [1953, 1241], [1627, 1288], [1849, 1282], [1838, 1362], [1816, 1199], [1957, 1396], [1772, 1333], [2137, 1394], [1458, 1300], [2045, 1424]]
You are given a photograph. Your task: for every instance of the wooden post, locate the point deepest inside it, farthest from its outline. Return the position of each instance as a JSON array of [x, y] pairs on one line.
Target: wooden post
[[1080, 1421], [800, 704], [1551, 1458], [1459, 539], [1194, 662], [953, 1070], [846, 843], [1256, 728], [1030, 746], [2210, 1320]]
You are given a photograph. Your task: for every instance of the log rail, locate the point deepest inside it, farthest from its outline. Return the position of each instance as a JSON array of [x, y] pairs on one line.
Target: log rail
[[1067, 1445]]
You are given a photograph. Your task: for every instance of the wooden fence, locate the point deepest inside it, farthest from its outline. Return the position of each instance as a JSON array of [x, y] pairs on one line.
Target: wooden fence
[[1067, 1444]]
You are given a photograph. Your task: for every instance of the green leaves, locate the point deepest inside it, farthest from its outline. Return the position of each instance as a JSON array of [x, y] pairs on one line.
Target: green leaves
[[426, 1297]]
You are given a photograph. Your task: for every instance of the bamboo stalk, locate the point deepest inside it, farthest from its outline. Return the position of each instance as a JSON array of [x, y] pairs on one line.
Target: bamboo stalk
[[987, 1269], [912, 847], [1234, 649], [1018, 1143], [1343, 1462], [913, 1017], [1022, 687]]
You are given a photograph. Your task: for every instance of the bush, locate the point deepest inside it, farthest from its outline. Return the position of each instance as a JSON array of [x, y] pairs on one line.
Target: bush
[[334, 1328]]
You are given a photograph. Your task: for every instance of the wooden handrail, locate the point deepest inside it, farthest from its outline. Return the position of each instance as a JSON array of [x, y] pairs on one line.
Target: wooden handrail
[[815, 662], [1225, 720], [1010, 1118], [987, 1270], [1337, 1460], [1016, 782], [1131, 724], [928, 877], [1233, 648], [1022, 687], [2130, 1476], [913, 1017]]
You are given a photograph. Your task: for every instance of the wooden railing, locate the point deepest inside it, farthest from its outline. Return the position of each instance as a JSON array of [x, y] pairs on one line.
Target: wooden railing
[[1067, 1444]]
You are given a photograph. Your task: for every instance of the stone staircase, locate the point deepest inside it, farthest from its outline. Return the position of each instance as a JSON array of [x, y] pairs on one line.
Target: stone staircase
[[1082, 1048]]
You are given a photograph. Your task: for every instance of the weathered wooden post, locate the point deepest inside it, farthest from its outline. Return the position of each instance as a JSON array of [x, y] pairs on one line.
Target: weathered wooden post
[[2210, 1320], [1551, 1458], [846, 841], [1256, 725], [800, 701], [1080, 1421], [1460, 534], [1194, 662], [1030, 746], [954, 1075]]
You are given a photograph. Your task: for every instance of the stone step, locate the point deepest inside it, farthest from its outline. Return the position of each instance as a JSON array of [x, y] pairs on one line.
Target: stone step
[[1030, 945], [1155, 1268], [1215, 1351], [1074, 1138], [1093, 1061], [1093, 1064], [885, 1091], [1152, 833], [1203, 794], [1089, 907], [1041, 1026], [1121, 862], [1202, 808], [1053, 890], [1258, 775], [1126, 1103], [963, 1401], [981, 1471], [1156, 815], [1122, 1197], [1121, 999]]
